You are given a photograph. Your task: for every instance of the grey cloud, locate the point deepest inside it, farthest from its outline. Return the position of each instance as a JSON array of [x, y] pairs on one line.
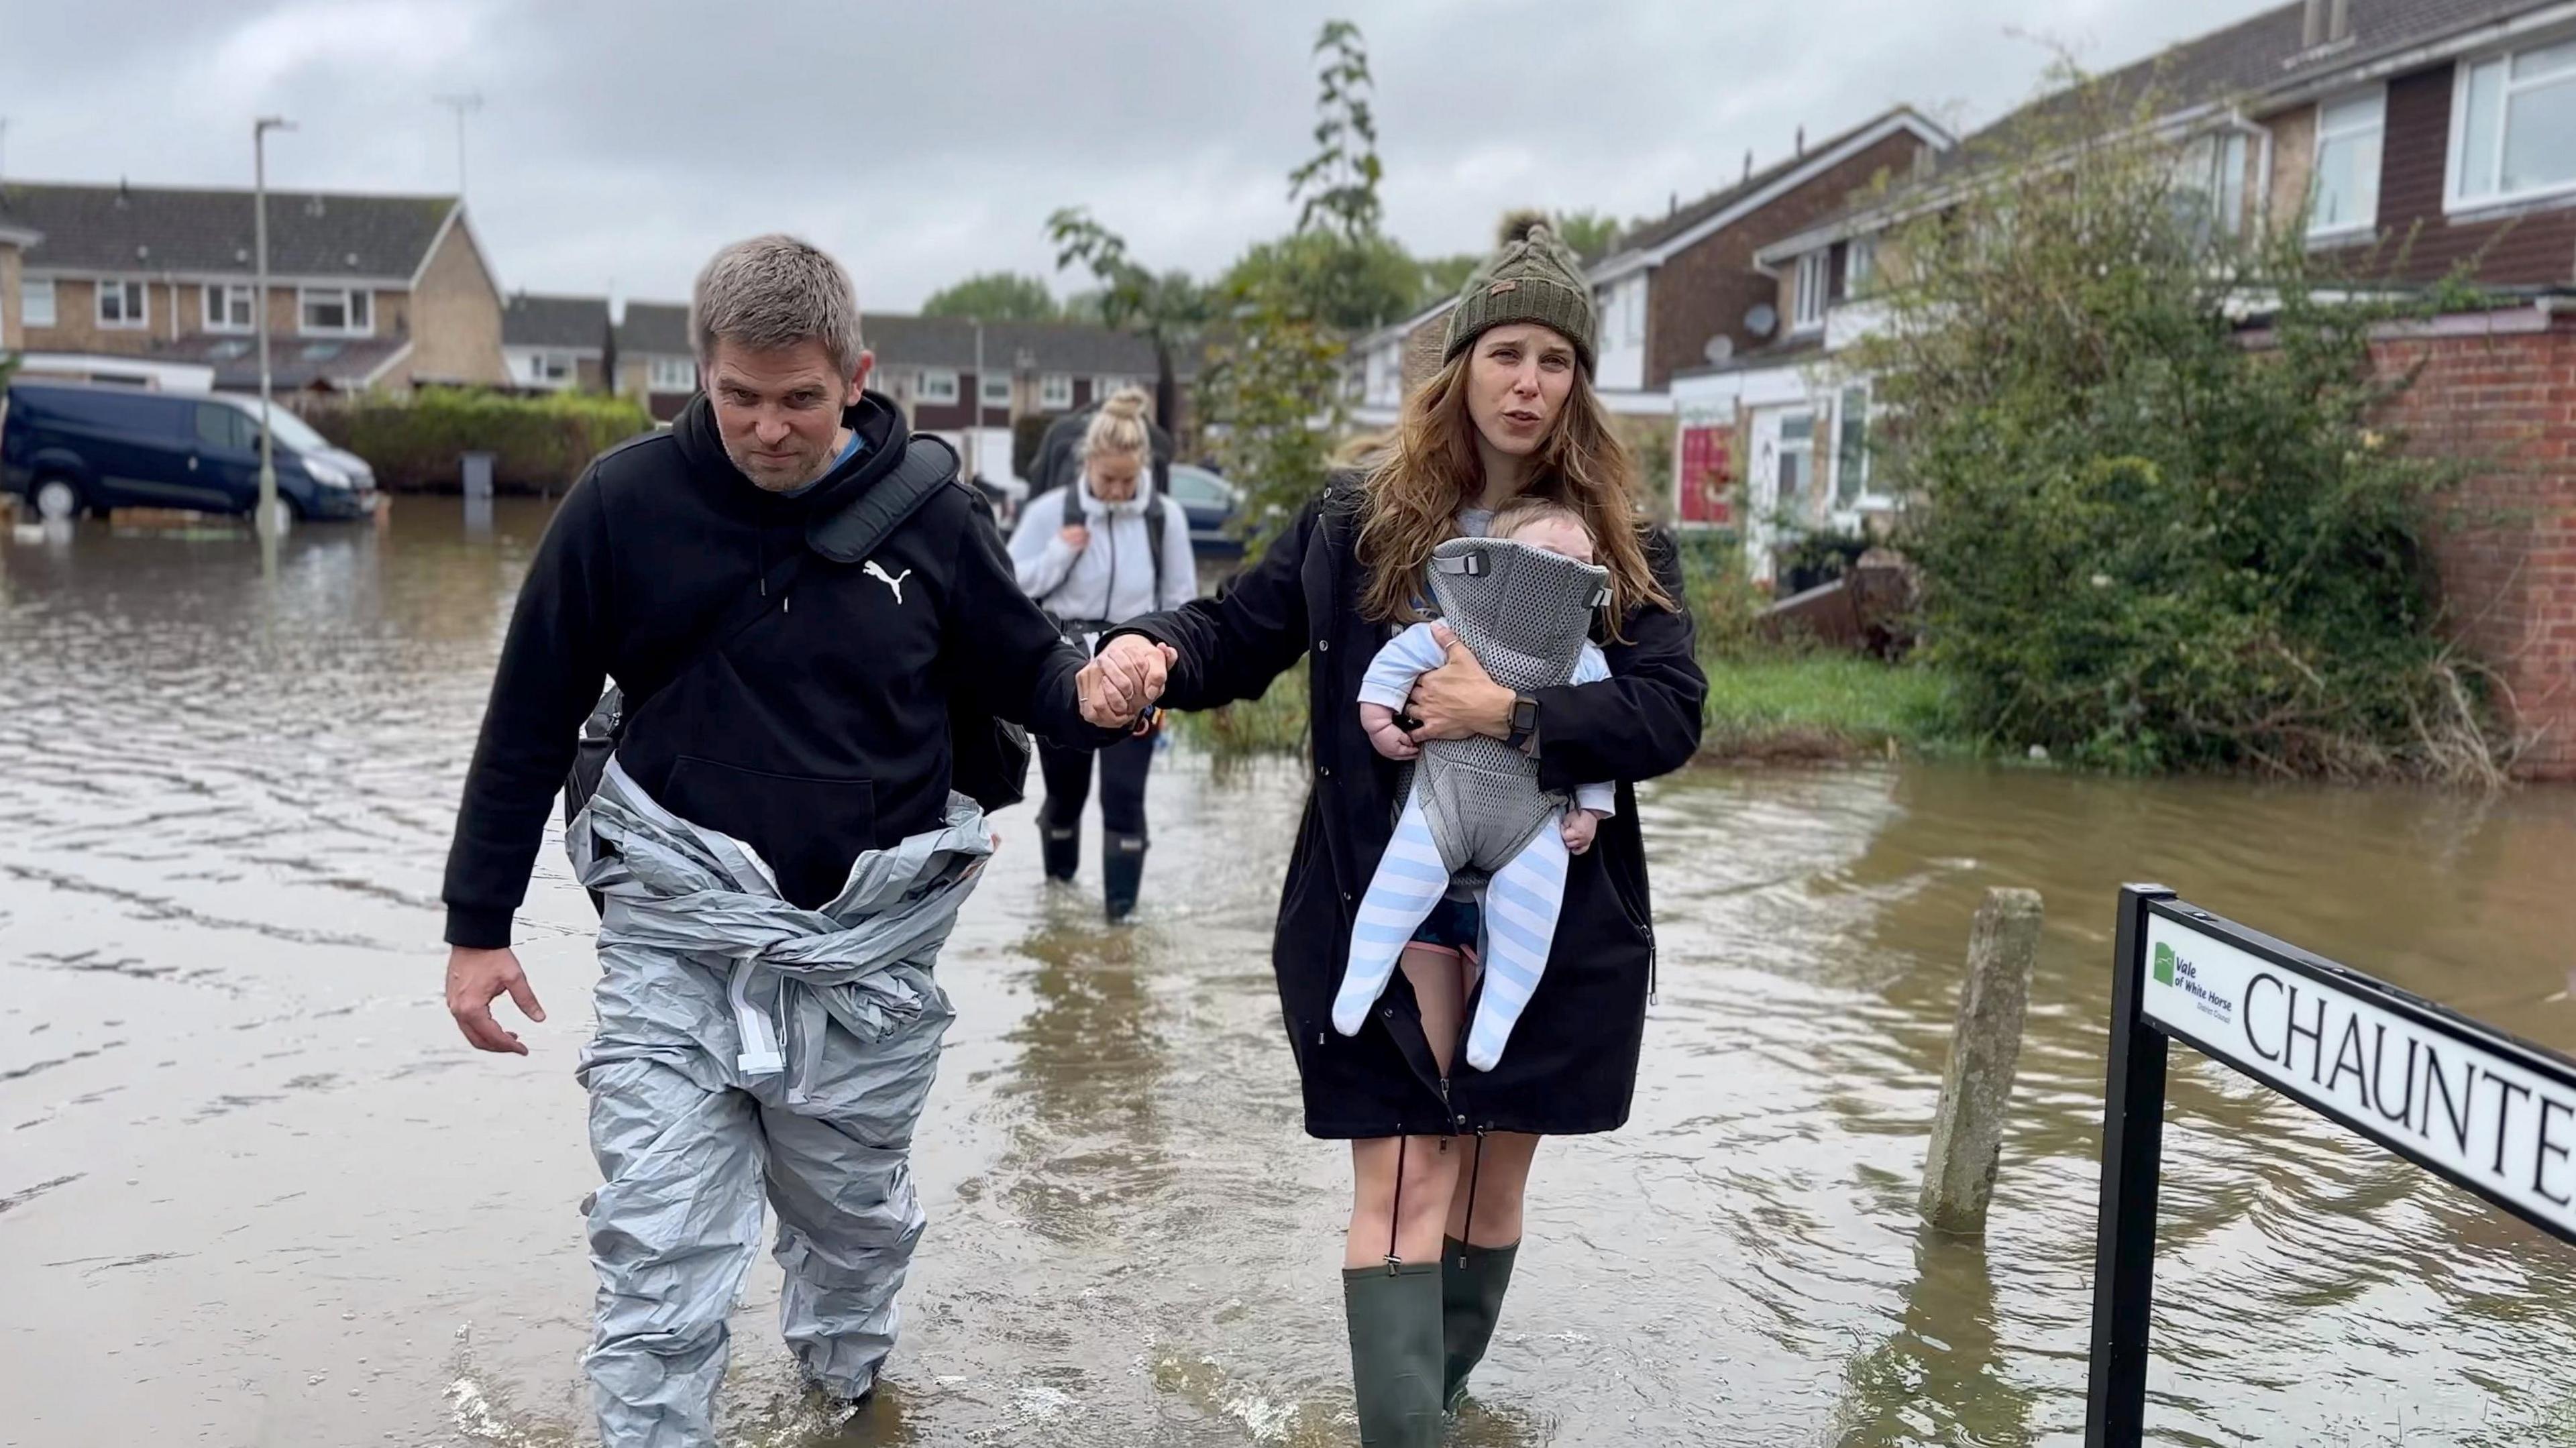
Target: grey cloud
[[924, 142]]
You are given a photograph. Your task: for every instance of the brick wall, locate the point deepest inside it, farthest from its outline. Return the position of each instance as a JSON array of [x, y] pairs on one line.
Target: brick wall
[[2506, 548], [1706, 289], [454, 317], [10, 303]]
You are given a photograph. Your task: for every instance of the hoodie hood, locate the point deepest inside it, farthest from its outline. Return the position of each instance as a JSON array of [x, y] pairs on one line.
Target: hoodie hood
[[872, 416]]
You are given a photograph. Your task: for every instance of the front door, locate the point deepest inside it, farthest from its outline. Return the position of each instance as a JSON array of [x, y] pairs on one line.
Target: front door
[[1781, 485]]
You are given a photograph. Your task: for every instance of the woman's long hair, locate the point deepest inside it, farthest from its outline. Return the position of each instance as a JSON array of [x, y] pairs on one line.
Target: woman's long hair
[[1431, 470]]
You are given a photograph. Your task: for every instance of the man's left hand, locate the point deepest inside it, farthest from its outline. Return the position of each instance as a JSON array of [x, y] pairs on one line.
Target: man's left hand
[[1126, 676], [1459, 700]]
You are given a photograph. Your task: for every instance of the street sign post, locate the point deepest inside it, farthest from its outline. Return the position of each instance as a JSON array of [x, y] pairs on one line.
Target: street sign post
[[2494, 1115]]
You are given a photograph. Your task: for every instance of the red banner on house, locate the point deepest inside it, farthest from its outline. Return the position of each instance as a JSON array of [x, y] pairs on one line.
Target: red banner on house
[[1708, 477]]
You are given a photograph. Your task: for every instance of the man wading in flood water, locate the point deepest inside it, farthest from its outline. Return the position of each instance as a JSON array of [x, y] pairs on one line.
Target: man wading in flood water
[[774, 842]]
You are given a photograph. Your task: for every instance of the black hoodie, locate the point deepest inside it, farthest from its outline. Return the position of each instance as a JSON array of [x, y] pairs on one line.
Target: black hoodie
[[817, 732]]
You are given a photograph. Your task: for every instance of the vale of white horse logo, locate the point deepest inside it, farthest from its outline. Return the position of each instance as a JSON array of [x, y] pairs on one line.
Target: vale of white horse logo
[[893, 585]]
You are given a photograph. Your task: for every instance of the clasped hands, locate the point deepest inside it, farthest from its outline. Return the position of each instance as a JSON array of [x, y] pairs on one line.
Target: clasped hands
[[1122, 681]]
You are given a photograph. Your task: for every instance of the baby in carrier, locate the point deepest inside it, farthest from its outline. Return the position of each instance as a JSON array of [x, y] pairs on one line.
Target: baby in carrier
[[1478, 860]]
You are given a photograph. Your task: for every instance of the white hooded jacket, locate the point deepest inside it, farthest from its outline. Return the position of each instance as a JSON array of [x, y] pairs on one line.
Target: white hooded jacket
[[1112, 579]]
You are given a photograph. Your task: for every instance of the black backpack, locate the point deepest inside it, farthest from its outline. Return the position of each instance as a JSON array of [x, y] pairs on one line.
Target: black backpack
[[1074, 514], [989, 755]]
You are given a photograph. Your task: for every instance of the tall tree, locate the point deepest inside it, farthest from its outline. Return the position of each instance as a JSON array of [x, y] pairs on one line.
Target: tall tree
[[1166, 309], [995, 297], [1338, 185]]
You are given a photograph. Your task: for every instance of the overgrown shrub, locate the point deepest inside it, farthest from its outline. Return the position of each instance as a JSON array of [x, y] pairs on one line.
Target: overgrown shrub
[[2149, 542], [539, 444]]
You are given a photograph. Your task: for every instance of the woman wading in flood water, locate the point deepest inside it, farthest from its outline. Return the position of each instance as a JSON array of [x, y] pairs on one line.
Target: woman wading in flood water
[[1441, 1152]]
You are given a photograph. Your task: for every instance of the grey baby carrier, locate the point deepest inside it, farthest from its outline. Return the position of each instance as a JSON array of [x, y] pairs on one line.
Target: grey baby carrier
[[1524, 612]]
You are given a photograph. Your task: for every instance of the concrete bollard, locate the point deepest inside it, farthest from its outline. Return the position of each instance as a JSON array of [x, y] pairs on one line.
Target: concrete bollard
[[1985, 1049]]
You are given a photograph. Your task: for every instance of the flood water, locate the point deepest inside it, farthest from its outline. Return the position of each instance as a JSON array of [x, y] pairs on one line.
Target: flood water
[[255, 1190]]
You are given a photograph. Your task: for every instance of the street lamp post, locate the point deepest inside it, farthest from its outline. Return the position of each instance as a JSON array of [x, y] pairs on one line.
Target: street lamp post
[[259, 130]]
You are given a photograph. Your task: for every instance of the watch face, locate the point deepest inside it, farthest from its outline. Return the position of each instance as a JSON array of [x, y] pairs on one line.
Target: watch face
[[1524, 714]]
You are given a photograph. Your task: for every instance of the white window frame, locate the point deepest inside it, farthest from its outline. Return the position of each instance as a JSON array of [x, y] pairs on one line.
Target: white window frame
[[1860, 263], [549, 367], [1102, 386], [1862, 499], [218, 306], [939, 386], [985, 386], [1807, 293], [127, 289], [29, 289], [2456, 166], [2374, 132], [353, 301], [1055, 391], [671, 374]]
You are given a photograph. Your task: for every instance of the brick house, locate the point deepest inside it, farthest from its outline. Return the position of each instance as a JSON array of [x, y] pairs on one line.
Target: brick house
[[14, 241], [553, 344], [365, 291], [2403, 138], [1670, 291], [928, 365], [656, 361]]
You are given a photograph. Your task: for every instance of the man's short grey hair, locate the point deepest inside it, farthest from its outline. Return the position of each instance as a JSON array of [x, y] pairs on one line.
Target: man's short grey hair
[[771, 293]]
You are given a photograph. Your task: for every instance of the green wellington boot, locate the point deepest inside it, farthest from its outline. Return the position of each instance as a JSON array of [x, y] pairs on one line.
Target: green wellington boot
[[1394, 1319], [1472, 1282]]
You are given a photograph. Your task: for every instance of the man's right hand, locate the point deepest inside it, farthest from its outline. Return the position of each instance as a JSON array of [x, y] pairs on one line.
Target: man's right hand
[[475, 979], [1076, 536]]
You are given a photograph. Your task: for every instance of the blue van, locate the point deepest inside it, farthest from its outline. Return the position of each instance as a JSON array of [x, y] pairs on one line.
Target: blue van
[[68, 448]]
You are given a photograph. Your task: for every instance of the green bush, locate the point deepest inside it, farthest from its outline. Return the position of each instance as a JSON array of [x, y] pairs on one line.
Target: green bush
[[2149, 539], [539, 444]]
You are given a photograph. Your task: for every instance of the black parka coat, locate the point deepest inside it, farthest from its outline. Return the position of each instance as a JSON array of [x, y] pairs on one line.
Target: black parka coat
[[1571, 1066]]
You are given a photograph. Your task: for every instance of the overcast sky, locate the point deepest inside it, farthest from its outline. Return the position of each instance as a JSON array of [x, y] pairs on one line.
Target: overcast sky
[[618, 144]]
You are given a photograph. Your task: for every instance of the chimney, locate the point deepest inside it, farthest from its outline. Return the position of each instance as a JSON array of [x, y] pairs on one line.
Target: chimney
[[1748, 167], [124, 193], [2323, 22], [1801, 148], [1673, 207]]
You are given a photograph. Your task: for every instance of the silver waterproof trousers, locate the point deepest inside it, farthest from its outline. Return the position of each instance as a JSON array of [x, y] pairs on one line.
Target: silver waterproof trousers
[[747, 1047]]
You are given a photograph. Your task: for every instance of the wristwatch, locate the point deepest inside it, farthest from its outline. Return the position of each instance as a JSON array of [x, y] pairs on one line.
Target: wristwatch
[[1524, 719]]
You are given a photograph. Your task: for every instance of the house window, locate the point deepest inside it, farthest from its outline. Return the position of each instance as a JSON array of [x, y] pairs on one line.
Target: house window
[[549, 369], [2513, 126], [939, 387], [1797, 463], [1055, 391], [36, 301], [1101, 387], [995, 389], [2347, 187], [228, 308], [1633, 293], [2209, 184], [1809, 302], [334, 311], [1860, 261], [124, 304], [1851, 448], [672, 374]]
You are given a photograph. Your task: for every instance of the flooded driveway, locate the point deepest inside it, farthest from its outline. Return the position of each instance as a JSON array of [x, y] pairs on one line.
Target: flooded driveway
[[255, 1190]]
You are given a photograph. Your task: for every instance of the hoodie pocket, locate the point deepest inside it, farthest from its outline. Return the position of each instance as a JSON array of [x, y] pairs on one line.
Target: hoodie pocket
[[809, 830]]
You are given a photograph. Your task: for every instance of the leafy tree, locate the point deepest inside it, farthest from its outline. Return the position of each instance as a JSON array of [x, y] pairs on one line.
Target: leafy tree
[[1590, 233], [1167, 309], [994, 297], [1445, 276], [2149, 540], [1353, 285], [1337, 187]]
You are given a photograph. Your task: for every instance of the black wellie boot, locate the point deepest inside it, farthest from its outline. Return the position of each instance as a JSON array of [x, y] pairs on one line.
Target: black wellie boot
[[1394, 1320], [1061, 848], [1122, 871]]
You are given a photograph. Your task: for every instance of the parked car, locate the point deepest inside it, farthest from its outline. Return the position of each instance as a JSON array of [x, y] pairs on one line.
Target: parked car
[[1211, 502], [69, 448]]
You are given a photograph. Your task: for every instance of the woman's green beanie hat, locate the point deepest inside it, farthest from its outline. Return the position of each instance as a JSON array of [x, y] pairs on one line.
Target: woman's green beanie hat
[[1534, 278]]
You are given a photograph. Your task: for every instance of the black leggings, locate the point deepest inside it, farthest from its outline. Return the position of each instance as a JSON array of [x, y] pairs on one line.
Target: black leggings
[[1122, 784]]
